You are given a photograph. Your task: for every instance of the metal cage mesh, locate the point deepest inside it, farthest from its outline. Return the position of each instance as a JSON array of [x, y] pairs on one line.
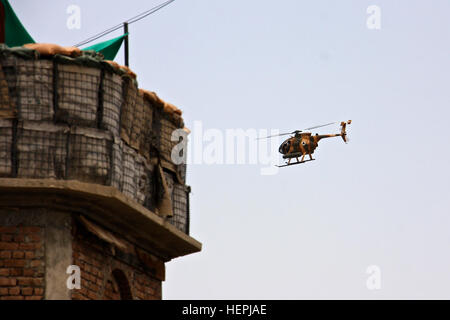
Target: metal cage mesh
[[179, 196], [35, 89], [142, 177], [78, 92], [5, 147], [89, 156], [9, 67], [147, 126], [166, 145], [180, 203], [41, 150], [137, 122], [117, 164], [112, 102], [129, 185], [126, 119]]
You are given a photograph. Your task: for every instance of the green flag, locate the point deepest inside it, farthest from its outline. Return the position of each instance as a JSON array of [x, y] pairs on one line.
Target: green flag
[[108, 48], [14, 32]]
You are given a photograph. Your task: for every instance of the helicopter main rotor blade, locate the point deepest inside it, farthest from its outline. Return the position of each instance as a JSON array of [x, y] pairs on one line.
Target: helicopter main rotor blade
[[297, 131], [275, 135], [320, 126]]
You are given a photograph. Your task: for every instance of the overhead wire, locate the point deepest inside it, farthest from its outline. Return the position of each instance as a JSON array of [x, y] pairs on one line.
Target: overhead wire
[[129, 21]]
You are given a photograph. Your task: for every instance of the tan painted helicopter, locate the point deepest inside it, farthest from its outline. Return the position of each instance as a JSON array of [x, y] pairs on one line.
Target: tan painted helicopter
[[304, 143]]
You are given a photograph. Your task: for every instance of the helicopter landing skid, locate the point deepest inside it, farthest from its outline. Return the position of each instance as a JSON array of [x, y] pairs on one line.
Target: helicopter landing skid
[[291, 164]]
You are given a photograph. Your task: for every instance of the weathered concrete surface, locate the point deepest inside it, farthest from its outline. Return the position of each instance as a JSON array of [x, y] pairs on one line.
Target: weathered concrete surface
[[103, 204], [58, 255]]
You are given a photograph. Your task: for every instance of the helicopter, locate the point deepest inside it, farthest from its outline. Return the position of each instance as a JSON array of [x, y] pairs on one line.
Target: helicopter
[[304, 143]]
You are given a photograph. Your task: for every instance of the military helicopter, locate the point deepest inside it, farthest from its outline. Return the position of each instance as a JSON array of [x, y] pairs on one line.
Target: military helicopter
[[304, 143]]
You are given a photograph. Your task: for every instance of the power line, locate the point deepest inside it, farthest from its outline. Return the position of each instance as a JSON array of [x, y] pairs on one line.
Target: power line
[[149, 12], [129, 21]]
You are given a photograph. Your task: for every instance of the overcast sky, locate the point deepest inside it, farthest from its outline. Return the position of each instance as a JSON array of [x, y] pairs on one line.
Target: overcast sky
[[312, 230]]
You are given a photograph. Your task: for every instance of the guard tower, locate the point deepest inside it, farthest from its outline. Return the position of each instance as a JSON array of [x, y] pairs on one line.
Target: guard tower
[[87, 180]]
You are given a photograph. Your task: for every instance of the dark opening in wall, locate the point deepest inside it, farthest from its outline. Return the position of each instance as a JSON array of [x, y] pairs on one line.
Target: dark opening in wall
[[123, 284]]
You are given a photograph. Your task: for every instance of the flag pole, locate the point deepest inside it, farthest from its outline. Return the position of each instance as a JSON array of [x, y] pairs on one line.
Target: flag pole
[[125, 30]]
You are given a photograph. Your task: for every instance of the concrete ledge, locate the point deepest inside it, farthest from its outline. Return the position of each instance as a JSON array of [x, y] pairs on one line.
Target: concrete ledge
[[104, 204]]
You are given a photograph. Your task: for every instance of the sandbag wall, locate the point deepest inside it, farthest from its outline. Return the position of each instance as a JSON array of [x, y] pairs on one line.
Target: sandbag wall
[[84, 119]]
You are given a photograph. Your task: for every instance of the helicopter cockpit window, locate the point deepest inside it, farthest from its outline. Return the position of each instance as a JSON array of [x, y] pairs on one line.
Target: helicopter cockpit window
[[285, 147]]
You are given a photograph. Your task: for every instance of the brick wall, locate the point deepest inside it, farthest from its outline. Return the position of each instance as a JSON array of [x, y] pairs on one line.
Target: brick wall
[[110, 274], [37, 246], [107, 273], [21, 263]]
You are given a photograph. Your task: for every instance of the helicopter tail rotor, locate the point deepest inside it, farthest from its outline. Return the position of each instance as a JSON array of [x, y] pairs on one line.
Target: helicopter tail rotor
[[343, 131], [346, 138]]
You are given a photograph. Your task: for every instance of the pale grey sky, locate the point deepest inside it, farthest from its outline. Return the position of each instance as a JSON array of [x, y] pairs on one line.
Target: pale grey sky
[[311, 230]]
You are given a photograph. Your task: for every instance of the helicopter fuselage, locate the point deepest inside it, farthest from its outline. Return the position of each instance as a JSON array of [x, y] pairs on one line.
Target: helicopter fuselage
[[302, 144], [298, 145]]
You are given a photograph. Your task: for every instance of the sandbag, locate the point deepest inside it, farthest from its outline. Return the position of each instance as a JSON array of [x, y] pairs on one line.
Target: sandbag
[[153, 98], [18, 52], [50, 49], [171, 109], [125, 69]]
